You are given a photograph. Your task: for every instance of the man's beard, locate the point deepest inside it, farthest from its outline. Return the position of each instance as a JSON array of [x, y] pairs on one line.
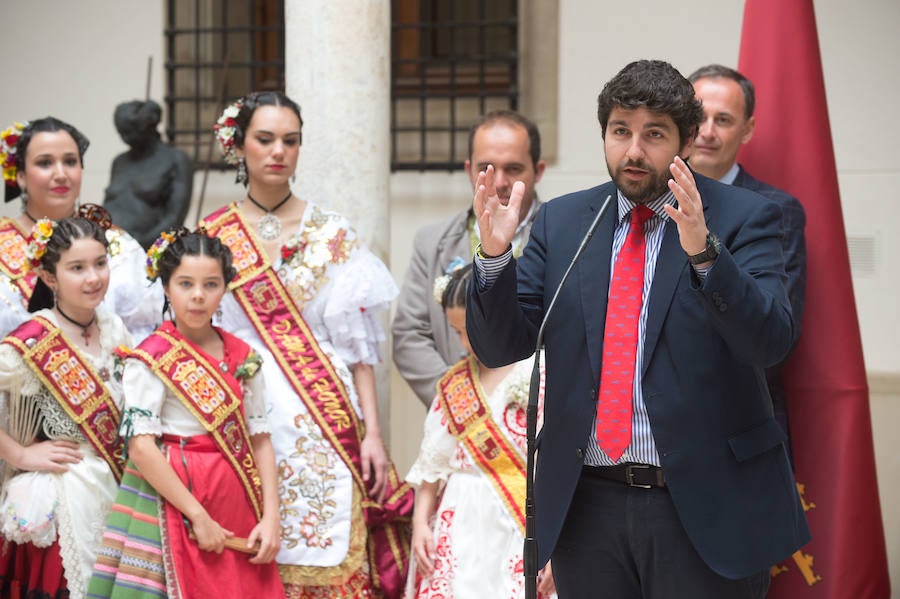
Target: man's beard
[[654, 185]]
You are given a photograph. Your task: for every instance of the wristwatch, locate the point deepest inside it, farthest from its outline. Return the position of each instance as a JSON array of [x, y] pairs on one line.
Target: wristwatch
[[713, 246], [479, 251]]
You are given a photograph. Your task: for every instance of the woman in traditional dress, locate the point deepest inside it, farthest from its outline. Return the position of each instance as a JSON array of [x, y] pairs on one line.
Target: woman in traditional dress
[[42, 166], [60, 442], [469, 521], [196, 515], [308, 294]]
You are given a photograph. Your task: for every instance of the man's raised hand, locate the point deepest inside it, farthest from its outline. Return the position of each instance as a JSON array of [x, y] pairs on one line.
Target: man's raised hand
[[498, 218]]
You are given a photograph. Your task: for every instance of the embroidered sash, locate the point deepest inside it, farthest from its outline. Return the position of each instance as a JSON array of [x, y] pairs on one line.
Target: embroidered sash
[[278, 322], [213, 399], [469, 420], [74, 384], [13, 262]]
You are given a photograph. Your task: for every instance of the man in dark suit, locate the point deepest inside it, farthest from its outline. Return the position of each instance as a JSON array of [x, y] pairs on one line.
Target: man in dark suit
[[728, 101], [683, 488]]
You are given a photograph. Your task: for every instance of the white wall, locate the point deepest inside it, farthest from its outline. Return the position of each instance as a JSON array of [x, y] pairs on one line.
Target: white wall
[[78, 60]]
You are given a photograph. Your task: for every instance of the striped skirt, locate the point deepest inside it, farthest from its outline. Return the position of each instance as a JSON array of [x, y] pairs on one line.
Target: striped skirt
[[130, 560]]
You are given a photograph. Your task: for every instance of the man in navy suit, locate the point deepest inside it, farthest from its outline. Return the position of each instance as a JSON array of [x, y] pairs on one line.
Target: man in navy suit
[[701, 502], [728, 101]]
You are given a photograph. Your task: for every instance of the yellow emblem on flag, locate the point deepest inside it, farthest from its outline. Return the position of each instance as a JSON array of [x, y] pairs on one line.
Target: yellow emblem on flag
[[803, 561]]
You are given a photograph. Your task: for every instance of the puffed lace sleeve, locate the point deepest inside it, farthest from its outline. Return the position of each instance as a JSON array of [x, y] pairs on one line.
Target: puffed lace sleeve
[[355, 286], [439, 452], [144, 396], [340, 285], [135, 299], [256, 407], [12, 307], [12, 368], [12, 374], [362, 288]]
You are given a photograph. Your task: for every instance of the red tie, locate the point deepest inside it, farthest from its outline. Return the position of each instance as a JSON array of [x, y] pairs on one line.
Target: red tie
[[620, 340]]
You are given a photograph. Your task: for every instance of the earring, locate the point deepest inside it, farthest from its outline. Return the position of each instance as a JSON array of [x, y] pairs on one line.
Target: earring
[[241, 175], [294, 177], [23, 195]]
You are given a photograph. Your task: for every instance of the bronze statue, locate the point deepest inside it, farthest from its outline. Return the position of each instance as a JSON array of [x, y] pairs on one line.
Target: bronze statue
[[150, 184]]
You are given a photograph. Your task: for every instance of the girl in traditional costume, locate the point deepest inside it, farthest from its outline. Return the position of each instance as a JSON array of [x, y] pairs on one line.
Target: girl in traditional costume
[[469, 521], [196, 515], [307, 296], [42, 166], [60, 439]]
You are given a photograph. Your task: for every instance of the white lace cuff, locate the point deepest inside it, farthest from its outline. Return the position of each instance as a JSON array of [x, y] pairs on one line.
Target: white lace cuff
[[257, 425], [136, 421], [418, 474]]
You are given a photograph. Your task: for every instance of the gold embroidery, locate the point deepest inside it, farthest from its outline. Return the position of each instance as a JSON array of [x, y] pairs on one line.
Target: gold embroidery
[[263, 296], [196, 383], [73, 381], [12, 249], [331, 405], [334, 575], [244, 256]]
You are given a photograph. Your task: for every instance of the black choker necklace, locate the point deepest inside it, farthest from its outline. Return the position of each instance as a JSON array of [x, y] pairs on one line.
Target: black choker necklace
[[74, 212], [269, 225], [84, 327]]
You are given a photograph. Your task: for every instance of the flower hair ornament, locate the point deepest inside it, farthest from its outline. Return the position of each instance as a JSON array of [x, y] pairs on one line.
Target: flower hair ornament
[[159, 247], [440, 283], [225, 129], [41, 233], [8, 140]]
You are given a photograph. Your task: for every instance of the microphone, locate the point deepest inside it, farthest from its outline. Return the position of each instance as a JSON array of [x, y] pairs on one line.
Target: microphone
[[529, 551]]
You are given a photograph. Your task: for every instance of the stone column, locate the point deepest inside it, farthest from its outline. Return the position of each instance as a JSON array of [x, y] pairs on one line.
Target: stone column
[[337, 67]]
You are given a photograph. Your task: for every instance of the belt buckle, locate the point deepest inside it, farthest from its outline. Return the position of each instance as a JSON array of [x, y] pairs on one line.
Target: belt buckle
[[629, 475]]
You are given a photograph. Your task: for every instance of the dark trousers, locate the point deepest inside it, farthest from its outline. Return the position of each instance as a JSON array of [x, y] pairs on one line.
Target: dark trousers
[[622, 542]]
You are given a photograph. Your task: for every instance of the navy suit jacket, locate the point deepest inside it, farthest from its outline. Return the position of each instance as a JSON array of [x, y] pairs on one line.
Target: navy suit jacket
[[706, 348], [793, 244], [793, 241]]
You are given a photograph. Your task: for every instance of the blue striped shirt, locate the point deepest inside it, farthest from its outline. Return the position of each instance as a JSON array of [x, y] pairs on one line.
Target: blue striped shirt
[[643, 447]]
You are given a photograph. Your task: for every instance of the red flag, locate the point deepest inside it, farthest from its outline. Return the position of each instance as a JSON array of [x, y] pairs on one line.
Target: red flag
[[825, 379]]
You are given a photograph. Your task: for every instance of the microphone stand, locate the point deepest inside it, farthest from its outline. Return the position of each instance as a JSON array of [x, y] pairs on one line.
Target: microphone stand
[[530, 548]]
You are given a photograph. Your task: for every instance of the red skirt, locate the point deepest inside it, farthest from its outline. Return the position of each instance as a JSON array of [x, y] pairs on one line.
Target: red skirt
[[33, 572], [217, 487]]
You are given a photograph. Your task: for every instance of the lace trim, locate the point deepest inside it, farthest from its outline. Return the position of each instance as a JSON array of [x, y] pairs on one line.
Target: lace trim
[[56, 423], [258, 425], [68, 550]]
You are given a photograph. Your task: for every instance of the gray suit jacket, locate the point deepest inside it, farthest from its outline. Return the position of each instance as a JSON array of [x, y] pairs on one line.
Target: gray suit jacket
[[424, 345]]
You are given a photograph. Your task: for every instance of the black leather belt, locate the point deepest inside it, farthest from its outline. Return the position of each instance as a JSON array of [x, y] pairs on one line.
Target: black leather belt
[[633, 475]]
